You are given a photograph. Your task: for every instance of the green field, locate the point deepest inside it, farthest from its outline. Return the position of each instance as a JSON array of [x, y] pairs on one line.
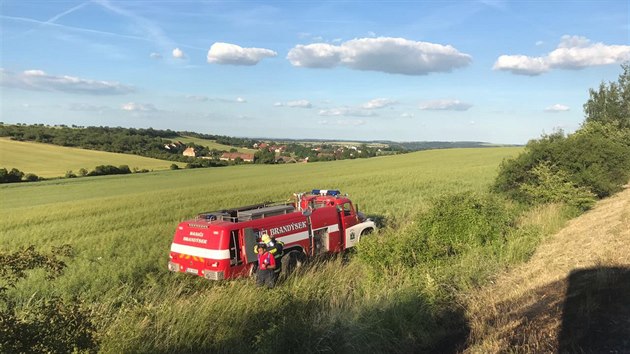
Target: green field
[[49, 161], [121, 227], [211, 144]]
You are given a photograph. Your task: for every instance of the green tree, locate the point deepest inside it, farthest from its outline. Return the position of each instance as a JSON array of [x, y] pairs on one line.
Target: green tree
[[611, 102], [264, 156], [31, 177], [12, 176]]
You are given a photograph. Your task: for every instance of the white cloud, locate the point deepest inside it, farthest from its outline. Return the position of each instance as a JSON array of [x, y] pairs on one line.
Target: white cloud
[[445, 105], [294, 104], [573, 52], [316, 55], [138, 107], [232, 54], [197, 98], [539, 43], [178, 54], [346, 111], [201, 98], [86, 107], [155, 56], [385, 54], [343, 122], [378, 103], [406, 115], [38, 80], [557, 108]]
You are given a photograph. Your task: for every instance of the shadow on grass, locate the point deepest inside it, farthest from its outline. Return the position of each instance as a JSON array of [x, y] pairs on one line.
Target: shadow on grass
[[587, 312], [596, 312], [379, 220]]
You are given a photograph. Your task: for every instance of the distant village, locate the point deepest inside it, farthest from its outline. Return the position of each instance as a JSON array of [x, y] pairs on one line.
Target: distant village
[[274, 153]]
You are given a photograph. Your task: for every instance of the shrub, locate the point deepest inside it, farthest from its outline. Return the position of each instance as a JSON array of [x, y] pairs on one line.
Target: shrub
[[103, 170], [453, 225], [174, 167], [70, 174], [31, 177], [552, 185], [461, 221], [41, 326], [596, 157]]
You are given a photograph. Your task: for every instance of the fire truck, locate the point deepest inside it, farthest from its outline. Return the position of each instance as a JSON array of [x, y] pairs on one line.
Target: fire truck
[[220, 245]]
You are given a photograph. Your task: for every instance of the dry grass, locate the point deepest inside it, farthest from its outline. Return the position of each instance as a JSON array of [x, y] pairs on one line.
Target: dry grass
[[526, 309]]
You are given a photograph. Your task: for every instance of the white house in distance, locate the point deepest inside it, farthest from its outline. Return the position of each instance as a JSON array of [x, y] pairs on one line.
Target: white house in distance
[[190, 152]]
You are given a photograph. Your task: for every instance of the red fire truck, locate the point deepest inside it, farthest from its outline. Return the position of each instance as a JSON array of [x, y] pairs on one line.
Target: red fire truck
[[220, 245]]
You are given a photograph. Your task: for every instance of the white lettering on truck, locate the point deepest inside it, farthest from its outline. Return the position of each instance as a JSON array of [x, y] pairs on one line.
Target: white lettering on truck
[[195, 240], [287, 228]]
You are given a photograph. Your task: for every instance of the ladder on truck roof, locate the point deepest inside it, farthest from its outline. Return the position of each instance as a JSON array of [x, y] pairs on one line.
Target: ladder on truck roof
[[246, 215]]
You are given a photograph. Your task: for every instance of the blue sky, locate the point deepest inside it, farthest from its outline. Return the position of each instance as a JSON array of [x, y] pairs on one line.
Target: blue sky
[[495, 71]]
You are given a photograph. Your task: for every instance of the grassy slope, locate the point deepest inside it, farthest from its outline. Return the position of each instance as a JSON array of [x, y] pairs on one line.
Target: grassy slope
[[121, 228], [571, 296], [211, 144], [46, 160]]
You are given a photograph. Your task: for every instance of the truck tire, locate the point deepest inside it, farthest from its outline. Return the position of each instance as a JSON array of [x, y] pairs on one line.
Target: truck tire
[[367, 232], [292, 261]]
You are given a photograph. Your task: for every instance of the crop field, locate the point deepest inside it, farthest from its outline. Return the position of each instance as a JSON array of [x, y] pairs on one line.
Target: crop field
[[211, 144], [49, 161], [121, 227]]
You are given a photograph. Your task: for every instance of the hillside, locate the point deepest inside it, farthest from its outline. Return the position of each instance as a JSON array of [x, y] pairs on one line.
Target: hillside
[[49, 161], [572, 296], [212, 144]]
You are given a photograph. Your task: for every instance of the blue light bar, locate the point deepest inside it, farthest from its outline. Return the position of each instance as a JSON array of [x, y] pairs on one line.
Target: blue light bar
[[331, 192]]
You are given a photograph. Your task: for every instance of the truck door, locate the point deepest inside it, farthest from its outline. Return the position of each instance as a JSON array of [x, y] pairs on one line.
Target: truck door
[[348, 216], [348, 219], [249, 241]]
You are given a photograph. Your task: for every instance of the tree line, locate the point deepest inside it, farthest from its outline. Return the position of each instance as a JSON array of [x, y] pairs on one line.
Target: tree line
[[143, 142]]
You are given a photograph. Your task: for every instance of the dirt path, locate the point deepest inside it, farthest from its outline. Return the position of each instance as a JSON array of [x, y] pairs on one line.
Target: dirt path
[[572, 296]]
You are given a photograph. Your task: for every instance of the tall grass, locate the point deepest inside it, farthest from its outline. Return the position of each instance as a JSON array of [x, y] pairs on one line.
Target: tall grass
[[121, 228]]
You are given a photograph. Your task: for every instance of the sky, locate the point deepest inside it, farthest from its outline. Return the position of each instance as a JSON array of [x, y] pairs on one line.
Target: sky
[[495, 71]]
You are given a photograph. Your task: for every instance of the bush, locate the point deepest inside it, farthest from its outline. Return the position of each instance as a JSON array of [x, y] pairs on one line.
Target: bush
[[44, 325], [595, 158], [552, 185], [70, 174], [174, 167], [31, 177], [454, 224], [103, 170]]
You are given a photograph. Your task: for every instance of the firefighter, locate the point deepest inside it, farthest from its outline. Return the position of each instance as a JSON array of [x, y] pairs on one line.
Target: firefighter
[[276, 248], [266, 266]]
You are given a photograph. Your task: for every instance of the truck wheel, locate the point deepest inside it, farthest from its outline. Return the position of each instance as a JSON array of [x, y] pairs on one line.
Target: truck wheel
[[292, 261], [367, 232]]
